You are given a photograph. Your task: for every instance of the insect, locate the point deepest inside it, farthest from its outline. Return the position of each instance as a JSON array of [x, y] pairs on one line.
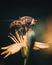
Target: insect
[[23, 22]]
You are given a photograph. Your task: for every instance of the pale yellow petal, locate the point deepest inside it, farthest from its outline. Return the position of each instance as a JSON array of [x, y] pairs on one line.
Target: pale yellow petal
[[4, 52], [14, 37], [6, 55], [17, 35], [41, 45]]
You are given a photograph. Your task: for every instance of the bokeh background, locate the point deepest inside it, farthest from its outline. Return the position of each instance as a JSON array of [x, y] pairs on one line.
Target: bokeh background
[[40, 10]]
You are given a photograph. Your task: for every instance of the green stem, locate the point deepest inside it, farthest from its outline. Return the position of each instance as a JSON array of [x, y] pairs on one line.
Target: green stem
[[25, 60]]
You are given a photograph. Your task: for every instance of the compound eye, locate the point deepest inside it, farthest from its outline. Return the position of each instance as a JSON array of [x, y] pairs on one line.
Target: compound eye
[[29, 20]]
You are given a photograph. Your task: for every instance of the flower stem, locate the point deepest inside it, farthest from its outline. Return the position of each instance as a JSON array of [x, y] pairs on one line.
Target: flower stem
[[25, 61]]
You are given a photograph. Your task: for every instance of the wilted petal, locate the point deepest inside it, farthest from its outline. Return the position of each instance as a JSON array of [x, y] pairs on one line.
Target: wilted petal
[[41, 45]]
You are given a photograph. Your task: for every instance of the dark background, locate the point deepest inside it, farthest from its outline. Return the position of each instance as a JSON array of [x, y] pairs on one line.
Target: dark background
[[10, 10]]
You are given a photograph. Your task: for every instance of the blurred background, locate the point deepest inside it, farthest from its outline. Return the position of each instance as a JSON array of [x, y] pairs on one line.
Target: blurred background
[[40, 10]]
